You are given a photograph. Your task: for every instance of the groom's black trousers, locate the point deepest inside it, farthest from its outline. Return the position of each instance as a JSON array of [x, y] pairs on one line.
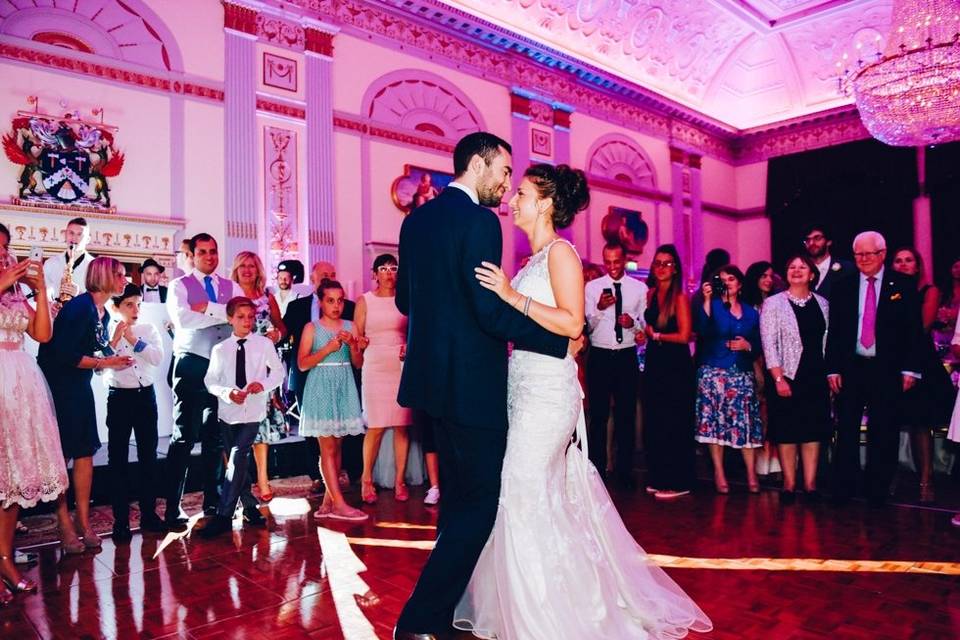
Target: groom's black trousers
[[470, 463]]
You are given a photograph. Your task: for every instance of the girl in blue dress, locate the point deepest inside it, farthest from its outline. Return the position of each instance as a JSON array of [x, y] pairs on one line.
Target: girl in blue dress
[[331, 405]]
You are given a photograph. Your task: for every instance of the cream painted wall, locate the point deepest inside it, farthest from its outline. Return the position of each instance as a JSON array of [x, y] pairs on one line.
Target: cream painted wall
[[357, 63], [348, 203], [751, 181], [719, 182], [203, 167], [197, 26], [143, 118], [720, 232], [753, 241]]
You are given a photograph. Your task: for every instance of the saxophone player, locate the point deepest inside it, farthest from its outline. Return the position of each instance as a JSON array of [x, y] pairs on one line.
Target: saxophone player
[[63, 283]]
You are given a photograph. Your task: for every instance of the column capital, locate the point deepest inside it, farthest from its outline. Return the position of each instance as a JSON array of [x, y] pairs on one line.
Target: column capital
[[677, 155], [519, 105], [694, 160], [561, 117], [318, 36], [240, 16]]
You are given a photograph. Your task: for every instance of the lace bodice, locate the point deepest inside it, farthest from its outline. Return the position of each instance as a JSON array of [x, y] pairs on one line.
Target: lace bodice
[[13, 318], [534, 279]]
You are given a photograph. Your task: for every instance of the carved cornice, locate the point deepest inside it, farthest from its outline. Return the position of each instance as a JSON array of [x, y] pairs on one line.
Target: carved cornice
[[281, 32], [801, 134], [374, 129], [111, 73]]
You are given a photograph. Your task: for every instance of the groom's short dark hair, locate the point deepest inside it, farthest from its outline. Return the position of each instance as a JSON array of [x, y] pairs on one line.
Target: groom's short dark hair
[[486, 145]]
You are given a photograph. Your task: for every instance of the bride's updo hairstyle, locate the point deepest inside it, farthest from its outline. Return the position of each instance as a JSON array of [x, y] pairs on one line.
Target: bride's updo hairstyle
[[565, 185]]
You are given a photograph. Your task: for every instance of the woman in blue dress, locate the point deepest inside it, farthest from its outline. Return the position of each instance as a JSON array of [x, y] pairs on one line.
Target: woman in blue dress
[[728, 409]]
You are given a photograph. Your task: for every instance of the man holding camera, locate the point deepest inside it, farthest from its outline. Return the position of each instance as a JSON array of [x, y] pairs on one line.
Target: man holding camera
[[614, 307]]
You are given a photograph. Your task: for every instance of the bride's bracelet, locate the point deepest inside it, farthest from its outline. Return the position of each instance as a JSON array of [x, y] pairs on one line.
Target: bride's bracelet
[[526, 307]]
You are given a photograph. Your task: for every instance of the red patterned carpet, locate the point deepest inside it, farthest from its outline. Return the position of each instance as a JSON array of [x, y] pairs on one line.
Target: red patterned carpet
[[760, 570]]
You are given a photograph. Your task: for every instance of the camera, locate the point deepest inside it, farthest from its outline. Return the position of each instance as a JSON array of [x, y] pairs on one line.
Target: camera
[[717, 285]]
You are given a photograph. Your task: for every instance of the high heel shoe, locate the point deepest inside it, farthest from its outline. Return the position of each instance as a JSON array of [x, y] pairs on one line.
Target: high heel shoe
[[368, 493], [400, 493], [90, 538], [722, 487], [71, 544], [753, 488], [926, 493], [22, 586]]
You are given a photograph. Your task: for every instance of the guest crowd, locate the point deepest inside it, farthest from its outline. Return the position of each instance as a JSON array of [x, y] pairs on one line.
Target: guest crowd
[[788, 359]]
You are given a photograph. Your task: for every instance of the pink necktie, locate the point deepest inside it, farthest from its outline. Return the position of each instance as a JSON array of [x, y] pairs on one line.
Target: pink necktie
[[868, 333]]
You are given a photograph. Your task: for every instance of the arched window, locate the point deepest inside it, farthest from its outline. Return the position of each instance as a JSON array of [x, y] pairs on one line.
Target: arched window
[[126, 30], [616, 157], [421, 101]]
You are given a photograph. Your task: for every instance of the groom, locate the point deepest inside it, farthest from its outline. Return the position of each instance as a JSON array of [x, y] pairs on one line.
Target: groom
[[456, 367]]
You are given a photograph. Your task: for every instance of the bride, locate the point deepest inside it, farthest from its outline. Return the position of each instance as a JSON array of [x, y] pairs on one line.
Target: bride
[[559, 564]]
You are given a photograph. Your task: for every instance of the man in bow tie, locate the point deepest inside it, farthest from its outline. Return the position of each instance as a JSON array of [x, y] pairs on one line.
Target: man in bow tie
[[151, 289]]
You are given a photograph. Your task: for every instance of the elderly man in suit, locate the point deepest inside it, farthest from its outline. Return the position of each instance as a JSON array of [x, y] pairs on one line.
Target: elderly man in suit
[[872, 356]]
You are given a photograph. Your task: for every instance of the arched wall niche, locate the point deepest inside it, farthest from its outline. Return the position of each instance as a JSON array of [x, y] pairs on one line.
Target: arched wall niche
[[126, 30], [618, 158], [421, 101]]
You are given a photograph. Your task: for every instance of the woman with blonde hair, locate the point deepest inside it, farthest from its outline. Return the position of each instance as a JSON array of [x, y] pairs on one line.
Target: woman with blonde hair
[[248, 272], [79, 346]]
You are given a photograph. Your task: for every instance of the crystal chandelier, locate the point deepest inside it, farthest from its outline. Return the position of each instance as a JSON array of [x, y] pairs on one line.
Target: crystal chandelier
[[909, 94]]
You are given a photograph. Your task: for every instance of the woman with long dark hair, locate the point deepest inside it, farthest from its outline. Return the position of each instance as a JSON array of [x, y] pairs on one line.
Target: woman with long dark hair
[[760, 282], [928, 402], [669, 388]]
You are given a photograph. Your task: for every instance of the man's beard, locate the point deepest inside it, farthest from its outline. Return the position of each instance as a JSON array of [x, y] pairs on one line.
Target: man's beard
[[489, 196], [284, 286], [819, 254]]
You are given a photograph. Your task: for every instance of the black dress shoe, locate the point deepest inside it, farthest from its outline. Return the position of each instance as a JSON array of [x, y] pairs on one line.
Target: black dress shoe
[[253, 517], [176, 524], [121, 533], [788, 497], [216, 526], [152, 523]]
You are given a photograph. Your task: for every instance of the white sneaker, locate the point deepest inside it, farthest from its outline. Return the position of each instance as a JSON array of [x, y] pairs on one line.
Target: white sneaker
[[433, 496]]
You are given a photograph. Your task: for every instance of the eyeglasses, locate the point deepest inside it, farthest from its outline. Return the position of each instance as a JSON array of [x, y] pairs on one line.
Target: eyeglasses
[[863, 255], [385, 268], [817, 237], [666, 264]]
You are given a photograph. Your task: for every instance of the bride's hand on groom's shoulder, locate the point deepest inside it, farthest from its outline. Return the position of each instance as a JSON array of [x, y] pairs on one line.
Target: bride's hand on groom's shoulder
[[492, 277]]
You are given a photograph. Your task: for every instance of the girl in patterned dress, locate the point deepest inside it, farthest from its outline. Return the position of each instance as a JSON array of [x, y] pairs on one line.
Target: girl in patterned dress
[[331, 404]]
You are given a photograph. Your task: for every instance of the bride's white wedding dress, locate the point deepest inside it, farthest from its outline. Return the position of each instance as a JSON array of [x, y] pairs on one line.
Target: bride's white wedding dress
[[560, 564]]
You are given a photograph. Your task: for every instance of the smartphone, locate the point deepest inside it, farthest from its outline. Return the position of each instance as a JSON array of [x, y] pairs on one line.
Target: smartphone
[[36, 261], [607, 291]]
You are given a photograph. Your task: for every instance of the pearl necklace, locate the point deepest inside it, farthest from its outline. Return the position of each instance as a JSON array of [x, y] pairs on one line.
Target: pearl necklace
[[800, 302]]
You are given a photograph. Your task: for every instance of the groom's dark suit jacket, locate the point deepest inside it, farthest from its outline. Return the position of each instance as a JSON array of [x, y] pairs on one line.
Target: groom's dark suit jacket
[[457, 332]]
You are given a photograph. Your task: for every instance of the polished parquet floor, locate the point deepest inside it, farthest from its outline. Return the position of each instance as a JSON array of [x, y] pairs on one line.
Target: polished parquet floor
[[759, 569]]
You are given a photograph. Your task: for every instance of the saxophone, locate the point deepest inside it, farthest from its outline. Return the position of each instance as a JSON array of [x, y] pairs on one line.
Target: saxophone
[[67, 279]]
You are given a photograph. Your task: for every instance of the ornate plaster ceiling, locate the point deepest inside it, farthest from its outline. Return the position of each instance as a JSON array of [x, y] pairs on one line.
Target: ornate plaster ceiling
[[744, 63]]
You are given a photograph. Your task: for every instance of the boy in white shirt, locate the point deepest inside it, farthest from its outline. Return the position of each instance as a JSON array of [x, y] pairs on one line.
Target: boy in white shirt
[[132, 407], [243, 370]]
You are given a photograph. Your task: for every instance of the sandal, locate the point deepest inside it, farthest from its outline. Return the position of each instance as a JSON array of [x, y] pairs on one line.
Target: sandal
[[349, 514], [368, 493], [323, 511], [400, 493]]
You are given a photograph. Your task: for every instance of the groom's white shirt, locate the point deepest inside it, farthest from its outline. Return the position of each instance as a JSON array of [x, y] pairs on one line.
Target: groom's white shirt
[[467, 190]]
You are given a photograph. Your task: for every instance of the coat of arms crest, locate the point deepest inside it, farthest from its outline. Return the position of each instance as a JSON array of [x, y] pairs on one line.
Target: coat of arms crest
[[66, 160]]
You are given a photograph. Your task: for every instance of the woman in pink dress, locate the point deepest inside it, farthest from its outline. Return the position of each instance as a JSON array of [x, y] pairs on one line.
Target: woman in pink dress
[[384, 330], [31, 463]]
